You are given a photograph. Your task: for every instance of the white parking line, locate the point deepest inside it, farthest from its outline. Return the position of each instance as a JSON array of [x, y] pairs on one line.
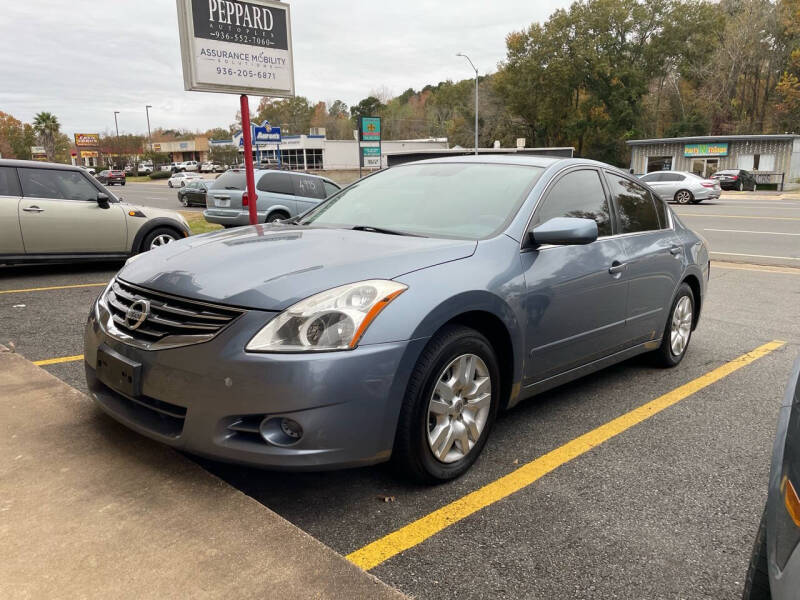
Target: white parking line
[[756, 255], [746, 231]]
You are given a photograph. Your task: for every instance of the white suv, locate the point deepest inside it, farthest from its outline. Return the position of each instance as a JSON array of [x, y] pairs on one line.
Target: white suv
[[188, 165]]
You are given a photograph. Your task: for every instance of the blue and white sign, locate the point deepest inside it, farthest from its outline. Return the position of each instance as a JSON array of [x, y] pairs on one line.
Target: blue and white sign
[[266, 134]]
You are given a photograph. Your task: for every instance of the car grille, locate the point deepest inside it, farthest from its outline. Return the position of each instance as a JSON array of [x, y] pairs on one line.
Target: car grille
[[170, 321]]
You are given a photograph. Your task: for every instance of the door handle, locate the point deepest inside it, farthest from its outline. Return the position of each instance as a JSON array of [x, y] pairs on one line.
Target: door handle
[[33, 208], [617, 267], [675, 250]]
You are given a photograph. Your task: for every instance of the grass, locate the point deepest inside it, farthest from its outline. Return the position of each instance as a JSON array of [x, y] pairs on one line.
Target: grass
[[197, 223], [137, 178]]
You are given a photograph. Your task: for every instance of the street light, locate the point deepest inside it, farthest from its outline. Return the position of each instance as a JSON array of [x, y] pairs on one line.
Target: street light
[[149, 137], [476, 98], [116, 125]]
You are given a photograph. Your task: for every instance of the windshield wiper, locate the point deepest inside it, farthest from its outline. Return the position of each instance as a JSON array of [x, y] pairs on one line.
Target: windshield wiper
[[382, 230]]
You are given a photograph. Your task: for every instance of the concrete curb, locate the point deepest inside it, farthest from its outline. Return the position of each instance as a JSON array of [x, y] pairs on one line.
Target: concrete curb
[[89, 509]]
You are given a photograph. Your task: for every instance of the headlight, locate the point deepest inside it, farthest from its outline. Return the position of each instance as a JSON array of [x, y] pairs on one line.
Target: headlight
[[331, 320]]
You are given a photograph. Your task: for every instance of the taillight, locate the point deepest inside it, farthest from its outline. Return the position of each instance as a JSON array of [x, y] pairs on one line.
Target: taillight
[[734, 177], [708, 185], [245, 201]]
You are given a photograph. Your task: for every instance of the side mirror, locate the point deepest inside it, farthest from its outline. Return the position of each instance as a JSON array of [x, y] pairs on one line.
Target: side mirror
[[102, 200], [564, 231]]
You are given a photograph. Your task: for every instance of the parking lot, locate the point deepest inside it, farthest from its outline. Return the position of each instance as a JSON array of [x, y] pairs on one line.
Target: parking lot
[[660, 500]]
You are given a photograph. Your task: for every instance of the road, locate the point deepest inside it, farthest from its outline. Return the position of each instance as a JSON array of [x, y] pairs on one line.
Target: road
[[156, 194], [760, 228]]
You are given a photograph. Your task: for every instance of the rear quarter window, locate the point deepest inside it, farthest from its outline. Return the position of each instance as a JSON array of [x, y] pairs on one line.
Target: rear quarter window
[[309, 187], [276, 183]]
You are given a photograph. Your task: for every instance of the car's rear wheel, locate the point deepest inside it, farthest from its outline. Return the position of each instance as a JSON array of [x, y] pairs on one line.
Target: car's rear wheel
[[678, 330], [740, 187], [169, 183], [277, 216], [756, 582], [160, 236], [185, 201], [449, 408], [755, 186], [683, 197]]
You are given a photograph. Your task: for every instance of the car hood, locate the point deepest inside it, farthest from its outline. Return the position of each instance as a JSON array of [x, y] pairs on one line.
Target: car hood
[[271, 267]]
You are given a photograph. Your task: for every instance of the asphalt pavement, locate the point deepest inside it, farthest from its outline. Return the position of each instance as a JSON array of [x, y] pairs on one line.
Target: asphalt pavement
[[666, 508], [156, 194]]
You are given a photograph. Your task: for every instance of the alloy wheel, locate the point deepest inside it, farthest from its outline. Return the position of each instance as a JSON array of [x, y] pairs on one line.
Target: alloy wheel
[[681, 326], [459, 408], [683, 197], [161, 240]]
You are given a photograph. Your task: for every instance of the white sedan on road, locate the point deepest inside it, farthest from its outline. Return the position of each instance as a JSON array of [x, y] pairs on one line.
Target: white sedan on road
[[181, 178], [682, 187]]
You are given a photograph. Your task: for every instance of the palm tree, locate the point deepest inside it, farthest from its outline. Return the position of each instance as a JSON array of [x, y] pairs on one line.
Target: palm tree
[[47, 127]]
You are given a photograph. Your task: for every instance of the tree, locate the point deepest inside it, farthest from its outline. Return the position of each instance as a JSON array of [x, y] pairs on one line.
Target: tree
[[292, 115], [47, 129], [219, 133], [368, 107], [16, 138]]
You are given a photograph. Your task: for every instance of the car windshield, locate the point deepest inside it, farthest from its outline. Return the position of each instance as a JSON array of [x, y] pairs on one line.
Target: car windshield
[[461, 200], [230, 180]]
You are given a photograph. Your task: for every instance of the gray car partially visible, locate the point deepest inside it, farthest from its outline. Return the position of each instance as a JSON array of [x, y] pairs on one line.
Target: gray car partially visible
[[774, 570], [682, 187], [281, 195]]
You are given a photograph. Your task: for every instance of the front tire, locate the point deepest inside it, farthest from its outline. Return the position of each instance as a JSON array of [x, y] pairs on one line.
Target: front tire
[[740, 187], [169, 183], [449, 407], [678, 330], [276, 217], [684, 197], [160, 236]]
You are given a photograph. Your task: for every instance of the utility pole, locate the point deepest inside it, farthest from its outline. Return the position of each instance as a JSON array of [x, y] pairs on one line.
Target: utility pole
[[476, 98], [116, 125], [149, 136]]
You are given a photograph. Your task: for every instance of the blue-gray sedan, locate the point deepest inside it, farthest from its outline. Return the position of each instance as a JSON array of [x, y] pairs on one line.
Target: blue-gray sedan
[[396, 318], [774, 570]]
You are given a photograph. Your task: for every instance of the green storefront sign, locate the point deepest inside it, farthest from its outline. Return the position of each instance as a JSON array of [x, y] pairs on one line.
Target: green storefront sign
[[370, 130], [371, 151], [700, 150]]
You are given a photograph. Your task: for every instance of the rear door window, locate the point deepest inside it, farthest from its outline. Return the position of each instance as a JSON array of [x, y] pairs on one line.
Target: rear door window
[[53, 183], [330, 189], [636, 208], [9, 183], [577, 194], [230, 180], [653, 177], [309, 187], [673, 177], [276, 183]]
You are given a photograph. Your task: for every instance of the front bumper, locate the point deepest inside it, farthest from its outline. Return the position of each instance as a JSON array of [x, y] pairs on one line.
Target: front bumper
[[196, 397]]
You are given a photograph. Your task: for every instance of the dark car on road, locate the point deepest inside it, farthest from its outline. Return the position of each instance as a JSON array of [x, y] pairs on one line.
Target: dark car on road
[[775, 563], [396, 318], [193, 193], [111, 176], [736, 179]]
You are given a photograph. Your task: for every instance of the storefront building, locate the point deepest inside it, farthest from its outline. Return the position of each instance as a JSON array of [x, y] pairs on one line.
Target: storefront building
[[86, 151], [774, 159], [180, 151]]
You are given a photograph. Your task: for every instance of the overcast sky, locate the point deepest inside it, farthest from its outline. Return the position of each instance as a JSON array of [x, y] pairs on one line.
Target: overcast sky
[[82, 60]]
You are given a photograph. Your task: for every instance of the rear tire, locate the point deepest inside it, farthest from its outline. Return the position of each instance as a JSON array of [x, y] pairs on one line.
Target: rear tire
[[740, 187], [684, 197], [756, 582], [169, 183], [679, 325], [755, 187], [416, 433], [276, 216]]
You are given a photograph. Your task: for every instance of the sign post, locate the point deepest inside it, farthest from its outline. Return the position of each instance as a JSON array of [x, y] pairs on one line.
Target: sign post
[[369, 142], [238, 47]]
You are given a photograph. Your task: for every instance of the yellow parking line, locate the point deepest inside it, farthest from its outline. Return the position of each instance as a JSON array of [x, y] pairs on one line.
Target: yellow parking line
[[60, 359], [420, 530], [684, 214], [54, 287]]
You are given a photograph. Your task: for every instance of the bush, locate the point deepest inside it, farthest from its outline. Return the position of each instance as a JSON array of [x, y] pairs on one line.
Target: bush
[[160, 175]]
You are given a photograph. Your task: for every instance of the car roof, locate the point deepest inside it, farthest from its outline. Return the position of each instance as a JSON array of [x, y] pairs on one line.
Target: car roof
[[532, 160], [12, 162]]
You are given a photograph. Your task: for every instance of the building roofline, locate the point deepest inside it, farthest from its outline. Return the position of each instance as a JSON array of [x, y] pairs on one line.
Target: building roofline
[[714, 138]]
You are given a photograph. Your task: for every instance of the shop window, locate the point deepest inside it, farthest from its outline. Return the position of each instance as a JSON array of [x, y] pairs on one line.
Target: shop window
[[659, 163], [756, 162]]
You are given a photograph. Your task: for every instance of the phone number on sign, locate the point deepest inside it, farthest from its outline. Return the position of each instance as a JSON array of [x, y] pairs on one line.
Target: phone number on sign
[[245, 73]]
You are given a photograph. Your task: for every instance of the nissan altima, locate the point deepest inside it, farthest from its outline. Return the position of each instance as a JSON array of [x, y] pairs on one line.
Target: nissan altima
[[395, 319]]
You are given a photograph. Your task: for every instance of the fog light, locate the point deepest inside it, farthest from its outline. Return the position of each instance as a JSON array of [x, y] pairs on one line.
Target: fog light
[[281, 431]]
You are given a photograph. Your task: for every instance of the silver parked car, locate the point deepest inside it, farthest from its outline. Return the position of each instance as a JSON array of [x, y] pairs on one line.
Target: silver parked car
[[774, 570], [55, 213], [281, 195], [396, 318], [682, 187]]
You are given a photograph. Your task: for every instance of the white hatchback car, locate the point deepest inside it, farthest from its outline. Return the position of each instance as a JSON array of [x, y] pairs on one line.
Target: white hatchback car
[[180, 178]]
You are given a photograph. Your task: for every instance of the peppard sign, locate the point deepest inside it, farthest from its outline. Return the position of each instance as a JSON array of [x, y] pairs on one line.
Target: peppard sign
[[236, 47]]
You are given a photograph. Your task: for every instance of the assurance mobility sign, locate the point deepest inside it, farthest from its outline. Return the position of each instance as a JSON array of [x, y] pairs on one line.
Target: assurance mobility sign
[[236, 47]]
